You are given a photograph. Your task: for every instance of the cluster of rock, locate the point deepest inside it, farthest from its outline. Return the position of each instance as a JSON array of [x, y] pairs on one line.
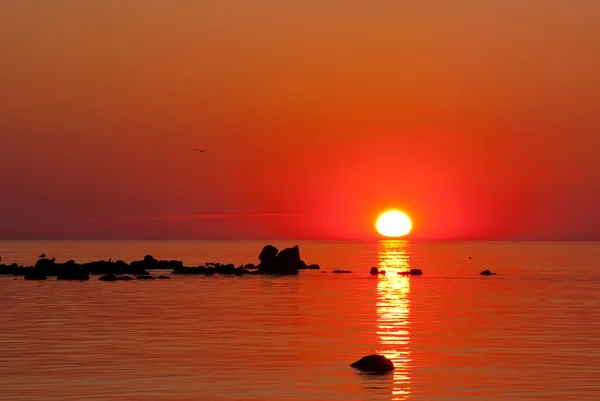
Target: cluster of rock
[[272, 262], [71, 270]]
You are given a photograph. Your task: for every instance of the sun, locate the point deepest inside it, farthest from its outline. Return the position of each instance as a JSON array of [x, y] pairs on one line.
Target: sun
[[393, 223]]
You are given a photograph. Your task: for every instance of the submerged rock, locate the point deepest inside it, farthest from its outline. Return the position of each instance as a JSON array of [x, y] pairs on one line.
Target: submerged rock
[[374, 363], [412, 272], [145, 277], [342, 271], [35, 276], [108, 277]]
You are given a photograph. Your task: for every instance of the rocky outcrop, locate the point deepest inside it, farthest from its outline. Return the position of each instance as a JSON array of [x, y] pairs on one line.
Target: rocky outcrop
[[272, 262], [374, 364], [342, 271], [286, 262]]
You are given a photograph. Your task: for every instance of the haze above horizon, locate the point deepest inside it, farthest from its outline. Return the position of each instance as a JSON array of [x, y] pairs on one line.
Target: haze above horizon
[[480, 120]]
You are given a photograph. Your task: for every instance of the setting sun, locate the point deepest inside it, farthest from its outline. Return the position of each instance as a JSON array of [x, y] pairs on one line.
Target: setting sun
[[393, 223]]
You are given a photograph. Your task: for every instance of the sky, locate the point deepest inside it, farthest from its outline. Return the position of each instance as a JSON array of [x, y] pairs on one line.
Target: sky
[[479, 119]]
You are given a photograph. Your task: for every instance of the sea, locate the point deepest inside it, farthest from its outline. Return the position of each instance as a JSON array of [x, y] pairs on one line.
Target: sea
[[532, 332]]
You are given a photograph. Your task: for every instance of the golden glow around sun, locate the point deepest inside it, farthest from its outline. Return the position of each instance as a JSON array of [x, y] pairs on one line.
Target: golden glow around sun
[[393, 223]]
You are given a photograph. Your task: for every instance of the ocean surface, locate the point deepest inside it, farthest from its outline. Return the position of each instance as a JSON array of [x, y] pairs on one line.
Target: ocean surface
[[530, 333]]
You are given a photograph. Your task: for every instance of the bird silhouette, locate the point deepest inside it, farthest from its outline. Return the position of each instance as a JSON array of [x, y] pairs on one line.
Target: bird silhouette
[[43, 255], [200, 150]]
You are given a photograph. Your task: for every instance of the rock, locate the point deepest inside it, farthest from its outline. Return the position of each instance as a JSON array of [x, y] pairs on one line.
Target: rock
[[374, 364], [150, 262], [412, 272], [487, 273], [268, 254], [80, 276], [228, 269], [163, 278], [382, 272], [35, 276], [342, 271], [374, 270], [290, 258], [108, 277], [287, 262], [124, 278], [145, 277], [313, 267], [240, 271]]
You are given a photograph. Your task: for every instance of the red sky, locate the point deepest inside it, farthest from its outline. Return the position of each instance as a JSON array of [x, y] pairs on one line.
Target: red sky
[[479, 119]]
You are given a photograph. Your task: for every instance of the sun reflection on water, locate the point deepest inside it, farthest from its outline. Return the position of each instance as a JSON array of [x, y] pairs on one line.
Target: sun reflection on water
[[393, 317]]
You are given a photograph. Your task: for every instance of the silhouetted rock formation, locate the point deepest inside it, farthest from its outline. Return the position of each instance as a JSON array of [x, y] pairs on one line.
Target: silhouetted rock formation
[[268, 254], [342, 271], [313, 267], [286, 262], [487, 273], [374, 271], [412, 272], [374, 364], [162, 277]]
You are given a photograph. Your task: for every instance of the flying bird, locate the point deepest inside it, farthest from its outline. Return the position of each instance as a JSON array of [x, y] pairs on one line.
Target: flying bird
[[200, 150]]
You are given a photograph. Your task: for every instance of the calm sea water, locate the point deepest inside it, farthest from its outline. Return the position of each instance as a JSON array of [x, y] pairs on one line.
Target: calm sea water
[[530, 333]]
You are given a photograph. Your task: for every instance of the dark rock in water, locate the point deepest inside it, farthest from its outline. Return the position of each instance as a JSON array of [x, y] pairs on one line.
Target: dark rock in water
[[487, 273], [382, 272], [163, 277], [412, 272], [35, 276], [249, 266], [313, 267], [287, 262], [75, 276], [268, 254], [342, 271], [290, 258], [228, 269], [44, 264], [374, 270], [374, 364], [144, 278], [124, 278], [108, 277], [240, 271], [12, 269]]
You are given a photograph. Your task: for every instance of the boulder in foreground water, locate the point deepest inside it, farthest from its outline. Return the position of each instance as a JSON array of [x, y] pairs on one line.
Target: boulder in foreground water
[[374, 364], [487, 273], [108, 277]]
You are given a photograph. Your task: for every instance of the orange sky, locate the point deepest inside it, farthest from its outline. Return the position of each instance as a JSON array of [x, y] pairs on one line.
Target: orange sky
[[479, 119]]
